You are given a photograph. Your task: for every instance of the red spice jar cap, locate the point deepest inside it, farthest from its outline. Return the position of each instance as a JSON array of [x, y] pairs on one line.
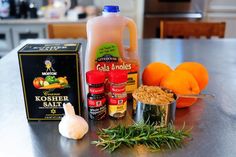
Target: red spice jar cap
[[118, 76], [95, 77]]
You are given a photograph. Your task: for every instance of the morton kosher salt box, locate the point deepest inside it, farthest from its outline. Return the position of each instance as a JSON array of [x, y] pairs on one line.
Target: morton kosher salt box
[[50, 75]]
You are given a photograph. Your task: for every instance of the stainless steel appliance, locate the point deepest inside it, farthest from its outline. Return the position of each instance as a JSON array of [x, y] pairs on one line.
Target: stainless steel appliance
[[157, 10]]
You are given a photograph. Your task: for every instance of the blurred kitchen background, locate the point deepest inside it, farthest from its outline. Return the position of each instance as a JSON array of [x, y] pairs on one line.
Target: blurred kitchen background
[[27, 19]]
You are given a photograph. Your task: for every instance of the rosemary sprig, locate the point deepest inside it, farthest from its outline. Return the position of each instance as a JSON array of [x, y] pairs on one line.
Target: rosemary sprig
[[150, 135]]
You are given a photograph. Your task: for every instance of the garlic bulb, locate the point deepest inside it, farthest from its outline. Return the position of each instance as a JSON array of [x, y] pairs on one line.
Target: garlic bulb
[[71, 125]]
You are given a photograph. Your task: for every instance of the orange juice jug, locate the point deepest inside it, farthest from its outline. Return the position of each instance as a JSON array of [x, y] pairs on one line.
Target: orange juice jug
[[105, 50]]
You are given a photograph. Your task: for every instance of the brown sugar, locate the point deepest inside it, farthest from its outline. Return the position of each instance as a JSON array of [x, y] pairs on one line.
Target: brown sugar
[[153, 95]]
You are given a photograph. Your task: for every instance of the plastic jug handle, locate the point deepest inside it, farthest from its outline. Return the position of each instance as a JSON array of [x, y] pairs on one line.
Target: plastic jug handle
[[133, 35]]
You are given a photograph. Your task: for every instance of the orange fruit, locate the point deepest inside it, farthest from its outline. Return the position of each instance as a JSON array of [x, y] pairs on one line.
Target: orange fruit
[[185, 102], [198, 71], [181, 82], [154, 72]]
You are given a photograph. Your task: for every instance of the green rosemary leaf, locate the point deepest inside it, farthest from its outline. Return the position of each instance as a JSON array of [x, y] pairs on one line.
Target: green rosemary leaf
[[150, 135]]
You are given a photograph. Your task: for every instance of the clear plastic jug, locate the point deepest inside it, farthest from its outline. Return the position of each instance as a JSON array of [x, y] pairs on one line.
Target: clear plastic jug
[[105, 49]]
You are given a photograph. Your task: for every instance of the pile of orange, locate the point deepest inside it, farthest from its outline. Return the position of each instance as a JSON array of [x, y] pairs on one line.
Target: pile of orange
[[187, 78]]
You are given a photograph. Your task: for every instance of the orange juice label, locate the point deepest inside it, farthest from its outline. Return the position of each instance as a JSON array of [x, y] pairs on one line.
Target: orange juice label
[[108, 58]]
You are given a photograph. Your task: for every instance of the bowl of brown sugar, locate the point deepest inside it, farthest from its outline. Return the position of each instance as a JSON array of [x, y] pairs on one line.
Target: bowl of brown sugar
[[154, 104]]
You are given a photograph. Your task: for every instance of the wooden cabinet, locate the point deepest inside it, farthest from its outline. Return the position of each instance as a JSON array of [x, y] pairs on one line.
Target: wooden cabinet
[[13, 32], [11, 35], [23, 32], [219, 10], [5, 40]]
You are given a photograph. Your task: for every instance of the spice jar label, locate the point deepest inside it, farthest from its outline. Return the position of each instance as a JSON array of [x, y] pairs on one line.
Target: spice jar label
[[117, 101], [98, 90], [96, 103], [97, 109], [117, 105], [117, 89]]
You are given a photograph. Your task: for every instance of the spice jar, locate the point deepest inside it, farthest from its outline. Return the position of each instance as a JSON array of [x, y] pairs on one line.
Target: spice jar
[[96, 100], [117, 96]]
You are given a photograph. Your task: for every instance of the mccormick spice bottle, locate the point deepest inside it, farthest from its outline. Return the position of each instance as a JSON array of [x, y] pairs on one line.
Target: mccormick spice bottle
[[96, 100], [117, 96]]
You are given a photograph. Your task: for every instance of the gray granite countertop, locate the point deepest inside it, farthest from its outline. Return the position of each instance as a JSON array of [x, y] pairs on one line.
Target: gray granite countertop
[[213, 120], [40, 21]]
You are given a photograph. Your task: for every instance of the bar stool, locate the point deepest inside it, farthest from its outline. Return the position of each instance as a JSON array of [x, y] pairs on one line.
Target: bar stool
[[67, 30], [188, 29]]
